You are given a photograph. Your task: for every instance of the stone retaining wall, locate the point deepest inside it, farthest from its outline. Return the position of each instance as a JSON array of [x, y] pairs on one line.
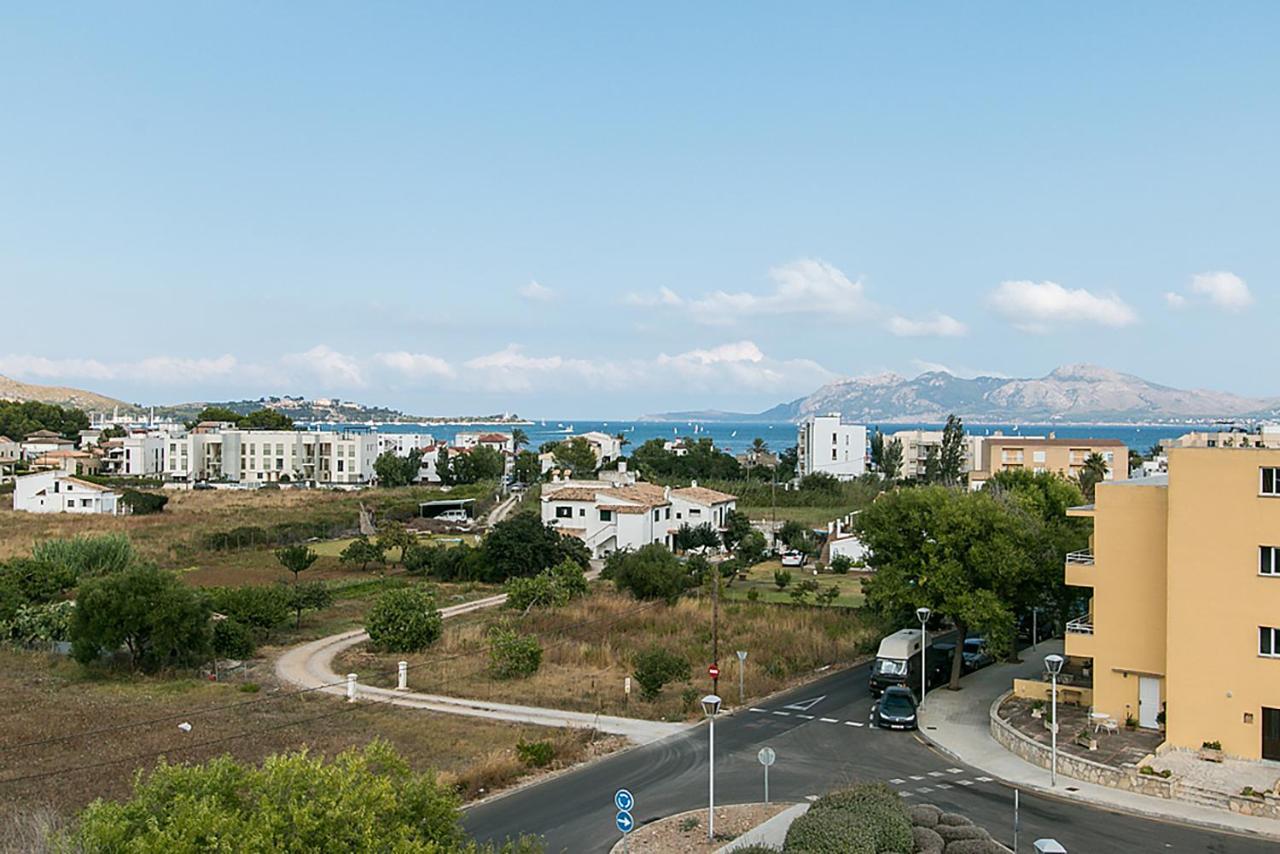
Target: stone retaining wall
[[1074, 766]]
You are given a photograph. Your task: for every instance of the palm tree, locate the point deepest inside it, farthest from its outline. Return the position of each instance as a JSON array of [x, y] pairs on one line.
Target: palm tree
[[1093, 472], [519, 438], [759, 446]]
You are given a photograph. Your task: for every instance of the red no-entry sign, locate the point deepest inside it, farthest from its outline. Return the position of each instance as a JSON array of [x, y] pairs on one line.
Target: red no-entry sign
[[713, 672]]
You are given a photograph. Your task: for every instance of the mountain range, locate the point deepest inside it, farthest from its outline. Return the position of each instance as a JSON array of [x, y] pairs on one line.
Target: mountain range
[[11, 389], [1072, 393]]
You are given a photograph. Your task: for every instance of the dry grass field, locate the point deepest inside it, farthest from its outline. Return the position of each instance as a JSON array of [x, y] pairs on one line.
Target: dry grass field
[[588, 647], [44, 697]]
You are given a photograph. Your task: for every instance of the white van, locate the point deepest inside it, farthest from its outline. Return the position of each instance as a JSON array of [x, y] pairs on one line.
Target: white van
[[454, 516]]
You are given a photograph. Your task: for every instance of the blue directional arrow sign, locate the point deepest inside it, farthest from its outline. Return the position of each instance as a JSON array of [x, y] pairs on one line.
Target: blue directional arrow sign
[[623, 800], [624, 821]]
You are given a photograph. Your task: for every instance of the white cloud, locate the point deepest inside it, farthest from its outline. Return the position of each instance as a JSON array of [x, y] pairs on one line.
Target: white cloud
[[1041, 306], [537, 292], [807, 286], [925, 367], [939, 325], [1225, 290], [415, 365], [327, 365], [1175, 300], [158, 370]]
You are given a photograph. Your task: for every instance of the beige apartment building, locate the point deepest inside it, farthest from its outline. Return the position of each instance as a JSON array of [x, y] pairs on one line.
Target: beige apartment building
[[1062, 456], [1184, 619]]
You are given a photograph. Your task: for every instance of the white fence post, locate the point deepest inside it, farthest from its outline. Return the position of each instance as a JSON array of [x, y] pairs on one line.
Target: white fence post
[[402, 681], [351, 687]]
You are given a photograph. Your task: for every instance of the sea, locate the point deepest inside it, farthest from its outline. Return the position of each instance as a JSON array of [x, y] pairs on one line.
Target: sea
[[736, 437]]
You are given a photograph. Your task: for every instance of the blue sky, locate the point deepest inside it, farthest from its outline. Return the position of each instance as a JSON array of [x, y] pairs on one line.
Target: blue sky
[[590, 209]]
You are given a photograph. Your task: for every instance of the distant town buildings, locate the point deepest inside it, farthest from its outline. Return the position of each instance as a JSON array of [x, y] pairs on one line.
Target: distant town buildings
[[218, 452], [1048, 454], [826, 445], [1261, 436], [917, 445]]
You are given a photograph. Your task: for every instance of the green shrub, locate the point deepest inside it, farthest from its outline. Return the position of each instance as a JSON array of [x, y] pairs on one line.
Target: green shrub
[[260, 609], [362, 552], [513, 655], [232, 639], [877, 808], [550, 588], [250, 688], [535, 754], [753, 595], [781, 577], [841, 564], [404, 620], [650, 572], [87, 556], [830, 832], [39, 624], [161, 621], [655, 667], [143, 503]]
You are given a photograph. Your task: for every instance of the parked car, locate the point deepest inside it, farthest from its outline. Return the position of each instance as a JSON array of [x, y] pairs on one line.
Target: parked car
[[793, 558], [896, 709], [203, 484], [976, 655]]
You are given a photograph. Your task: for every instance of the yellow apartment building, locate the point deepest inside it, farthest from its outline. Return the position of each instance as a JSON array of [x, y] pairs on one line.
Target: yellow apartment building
[[1034, 454], [1184, 617]]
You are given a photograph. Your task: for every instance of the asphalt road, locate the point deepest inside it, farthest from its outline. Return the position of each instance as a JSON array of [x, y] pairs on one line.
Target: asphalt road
[[819, 745]]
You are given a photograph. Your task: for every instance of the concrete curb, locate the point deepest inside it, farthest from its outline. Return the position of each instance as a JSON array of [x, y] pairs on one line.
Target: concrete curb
[[772, 832]]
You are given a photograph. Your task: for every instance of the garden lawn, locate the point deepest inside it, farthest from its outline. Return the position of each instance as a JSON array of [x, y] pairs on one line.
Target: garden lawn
[[815, 517], [589, 646], [760, 578], [43, 696]]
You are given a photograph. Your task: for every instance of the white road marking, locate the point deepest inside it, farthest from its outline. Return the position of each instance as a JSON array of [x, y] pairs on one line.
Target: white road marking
[[945, 786], [917, 779], [759, 710], [829, 720], [935, 774], [924, 790], [965, 782], [806, 717], [897, 781], [983, 779], [784, 714], [853, 723], [806, 705], [956, 770], [907, 794]]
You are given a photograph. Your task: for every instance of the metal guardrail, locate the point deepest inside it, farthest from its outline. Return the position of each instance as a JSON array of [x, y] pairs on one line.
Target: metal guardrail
[[1081, 625], [1080, 558]]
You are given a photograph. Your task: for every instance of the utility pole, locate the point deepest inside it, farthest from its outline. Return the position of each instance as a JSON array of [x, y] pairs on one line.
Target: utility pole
[[715, 626]]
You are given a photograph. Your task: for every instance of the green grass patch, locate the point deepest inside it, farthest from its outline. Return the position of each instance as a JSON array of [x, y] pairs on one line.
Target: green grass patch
[[817, 517], [760, 579]]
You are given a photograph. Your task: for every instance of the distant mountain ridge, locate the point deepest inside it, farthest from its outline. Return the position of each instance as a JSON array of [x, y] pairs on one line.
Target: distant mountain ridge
[[11, 389], [1072, 393]]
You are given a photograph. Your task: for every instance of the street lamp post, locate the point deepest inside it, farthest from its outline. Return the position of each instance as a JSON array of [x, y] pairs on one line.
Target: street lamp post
[[1053, 663], [711, 707], [922, 614]]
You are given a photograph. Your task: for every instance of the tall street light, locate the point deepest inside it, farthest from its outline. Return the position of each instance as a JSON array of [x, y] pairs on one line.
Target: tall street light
[[922, 614], [1053, 663], [711, 707]]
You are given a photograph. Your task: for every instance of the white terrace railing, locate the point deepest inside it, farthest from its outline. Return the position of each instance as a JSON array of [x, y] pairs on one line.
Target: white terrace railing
[[1080, 558], [1081, 625]]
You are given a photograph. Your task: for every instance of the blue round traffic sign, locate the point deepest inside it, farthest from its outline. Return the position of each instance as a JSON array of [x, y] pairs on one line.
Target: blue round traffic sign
[[623, 800], [624, 821]]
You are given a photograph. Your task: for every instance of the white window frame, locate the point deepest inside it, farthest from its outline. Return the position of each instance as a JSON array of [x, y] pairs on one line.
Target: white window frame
[[1275, 480], [1275, 641], [1269, 561]]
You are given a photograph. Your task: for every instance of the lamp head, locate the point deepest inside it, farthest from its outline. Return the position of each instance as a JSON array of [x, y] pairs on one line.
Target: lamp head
[[922, 614], [1053, 663], [711, 705]]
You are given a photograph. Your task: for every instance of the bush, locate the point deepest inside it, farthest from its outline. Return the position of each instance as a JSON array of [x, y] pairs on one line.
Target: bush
[[841, 564], [40, 624], [404, 620], [655, 667], [160, 620], [781, 577], [309, 596], [232, 639], [523, 546], [143, 503], [362, 800], [535, 754], [829, 832], [549, 588], [877, 809], [87, 556], [651, 572], [753, 595], [362, 552], [512, 655], [259, 609]]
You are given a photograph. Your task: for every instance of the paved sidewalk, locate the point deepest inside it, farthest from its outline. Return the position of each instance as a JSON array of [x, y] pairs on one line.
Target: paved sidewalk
[[958, 724], [311, 666]]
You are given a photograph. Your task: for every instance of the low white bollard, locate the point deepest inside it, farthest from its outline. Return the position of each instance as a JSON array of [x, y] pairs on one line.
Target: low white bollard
[[351, 687], [402, 683]]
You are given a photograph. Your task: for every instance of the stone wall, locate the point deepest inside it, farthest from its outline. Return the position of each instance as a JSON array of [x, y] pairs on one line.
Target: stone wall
[[1074, 766]]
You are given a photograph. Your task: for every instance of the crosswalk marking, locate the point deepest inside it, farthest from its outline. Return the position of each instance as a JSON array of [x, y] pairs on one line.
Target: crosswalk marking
[[955, 770], [908, 794], [936, 774], [830, 721], [758, 710], [897, 781], [853, 723], [945, 786], [916, 778], [965, 782], [924, 790], [806, 717], [983, 779], [780, 712]]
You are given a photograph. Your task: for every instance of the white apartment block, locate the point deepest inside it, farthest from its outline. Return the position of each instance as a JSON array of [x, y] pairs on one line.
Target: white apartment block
[[917, 443], [138, 455], [254, 457], [608, 517], [825, 445], [59, 492], [606, 447], [401, 444]]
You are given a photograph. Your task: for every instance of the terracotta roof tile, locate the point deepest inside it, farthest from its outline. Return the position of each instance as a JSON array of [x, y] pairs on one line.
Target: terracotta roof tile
[[702, 495]]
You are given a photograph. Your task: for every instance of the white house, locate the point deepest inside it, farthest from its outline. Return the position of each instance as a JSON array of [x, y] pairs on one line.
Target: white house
[[824, 444], [42, 442], [138, 454], [503, 443], [401, 444], [608, 517], [59, 492], [606, 447], [10, 453]]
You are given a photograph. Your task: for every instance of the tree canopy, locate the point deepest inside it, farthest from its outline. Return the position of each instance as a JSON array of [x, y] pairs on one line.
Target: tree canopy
[[264, 418], [577, 455], [393, 470], [474, 465], [650, 572], [161, 621], [522, 545], [701, 460], [18, 419]]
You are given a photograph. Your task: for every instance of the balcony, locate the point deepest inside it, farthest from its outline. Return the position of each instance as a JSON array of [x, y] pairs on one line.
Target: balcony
[[1081, 625], [1080, 558], [1080, 572]]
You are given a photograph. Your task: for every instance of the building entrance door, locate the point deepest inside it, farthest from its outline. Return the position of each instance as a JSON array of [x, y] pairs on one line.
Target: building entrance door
[[1271, 734], [1148, 701]]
